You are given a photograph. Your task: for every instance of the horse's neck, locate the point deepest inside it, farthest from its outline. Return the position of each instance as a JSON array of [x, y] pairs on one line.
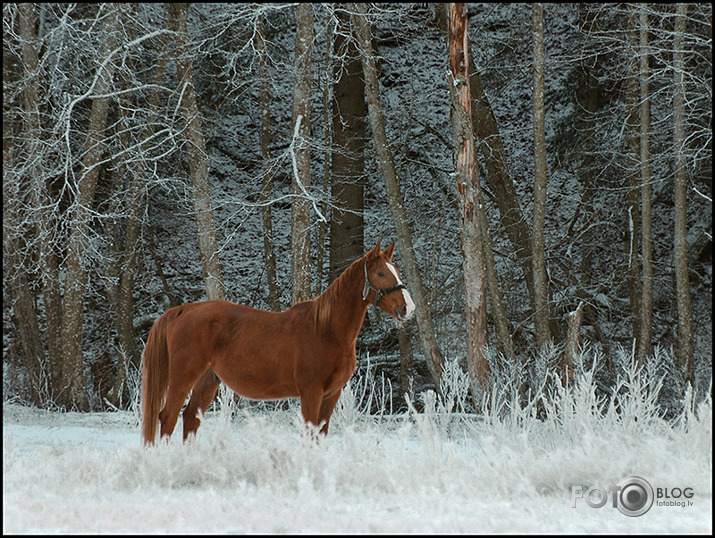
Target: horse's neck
[[341, 307]]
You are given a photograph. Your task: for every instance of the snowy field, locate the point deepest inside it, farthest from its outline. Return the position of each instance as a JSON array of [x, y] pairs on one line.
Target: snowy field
[[437, 471]]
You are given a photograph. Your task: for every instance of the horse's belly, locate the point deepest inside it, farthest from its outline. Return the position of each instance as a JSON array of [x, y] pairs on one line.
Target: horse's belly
[[258, 386], [263, 392]]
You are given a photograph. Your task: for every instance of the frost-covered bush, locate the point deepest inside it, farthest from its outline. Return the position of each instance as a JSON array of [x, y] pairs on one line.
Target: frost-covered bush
[[523, 451]]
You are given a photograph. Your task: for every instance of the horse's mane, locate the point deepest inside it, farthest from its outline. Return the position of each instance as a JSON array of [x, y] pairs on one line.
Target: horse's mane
[[325, 303]]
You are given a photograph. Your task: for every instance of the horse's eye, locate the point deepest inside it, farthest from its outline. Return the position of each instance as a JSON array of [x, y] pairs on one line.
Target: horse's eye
[[381, 274]]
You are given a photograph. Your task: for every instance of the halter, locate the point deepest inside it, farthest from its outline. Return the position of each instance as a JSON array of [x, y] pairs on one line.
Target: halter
[[379, 293]]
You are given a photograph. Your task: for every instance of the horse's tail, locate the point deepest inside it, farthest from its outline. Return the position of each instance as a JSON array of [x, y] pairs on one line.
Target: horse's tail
[[155, 374]]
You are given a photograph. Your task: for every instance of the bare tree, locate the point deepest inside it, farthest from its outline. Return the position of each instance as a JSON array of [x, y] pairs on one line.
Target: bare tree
[[646, 189], [486, 132], [265, 104], [196, 152], [541, 282], [17, 188], [431, 349], [131, 192], [48, 264], [300, 214], [642, 38], [632, 230], [682, 279], [466, 173], [498, 177], [348, 162], [73, 378]]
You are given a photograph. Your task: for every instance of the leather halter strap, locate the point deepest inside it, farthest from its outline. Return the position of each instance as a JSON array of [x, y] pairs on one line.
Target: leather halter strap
[[379, 293]]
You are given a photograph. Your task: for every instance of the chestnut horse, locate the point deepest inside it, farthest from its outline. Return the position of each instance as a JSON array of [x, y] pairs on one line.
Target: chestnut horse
[[306, 351]]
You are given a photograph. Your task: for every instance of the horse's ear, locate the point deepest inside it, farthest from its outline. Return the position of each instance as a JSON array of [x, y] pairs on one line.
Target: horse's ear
[[376, 251], [389, 251]]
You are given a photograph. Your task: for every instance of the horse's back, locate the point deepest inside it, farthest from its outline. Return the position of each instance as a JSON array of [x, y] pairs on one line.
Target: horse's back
[[253, 351], [202, 326]]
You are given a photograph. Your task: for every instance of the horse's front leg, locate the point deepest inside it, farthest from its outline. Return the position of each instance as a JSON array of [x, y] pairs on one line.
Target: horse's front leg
[[326, 410], [311, 400]]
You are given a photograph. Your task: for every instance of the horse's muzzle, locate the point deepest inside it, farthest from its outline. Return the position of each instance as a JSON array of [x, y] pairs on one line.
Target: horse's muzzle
[[402, 313]]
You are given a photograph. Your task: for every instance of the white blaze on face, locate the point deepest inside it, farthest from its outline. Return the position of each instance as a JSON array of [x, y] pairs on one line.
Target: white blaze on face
[[409, 305]]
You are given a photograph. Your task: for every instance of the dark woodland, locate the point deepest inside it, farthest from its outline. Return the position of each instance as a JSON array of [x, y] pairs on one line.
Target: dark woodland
[[547, 180]]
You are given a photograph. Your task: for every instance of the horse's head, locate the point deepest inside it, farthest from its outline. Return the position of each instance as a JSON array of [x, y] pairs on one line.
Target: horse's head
[[383, 286]]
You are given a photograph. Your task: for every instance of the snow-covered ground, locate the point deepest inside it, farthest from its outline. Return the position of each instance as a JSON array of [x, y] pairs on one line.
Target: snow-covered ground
[[437, 471]]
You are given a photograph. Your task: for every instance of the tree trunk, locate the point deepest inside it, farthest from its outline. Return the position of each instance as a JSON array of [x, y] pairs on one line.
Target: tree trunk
[[72, 386], [267, 190], [125, 305], [646, 192], [588, 96], [682, 280], [22, 303], [486, 131], [24, 312], [348, 166], [433, 354], [114, 232], [632, 231], [16, 195], [196, 151], [328, 151], [466, 173], [541, 314], [404, 342], [501, 322], [498, 177], [47, 257], [300, 211], [127, 257]]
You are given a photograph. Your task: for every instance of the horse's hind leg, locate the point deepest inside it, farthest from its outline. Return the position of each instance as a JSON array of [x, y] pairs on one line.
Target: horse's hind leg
[[201, 396], [180, 384]]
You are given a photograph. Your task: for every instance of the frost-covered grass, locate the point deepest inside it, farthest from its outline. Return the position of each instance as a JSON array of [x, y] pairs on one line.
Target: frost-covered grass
[[509, 469]]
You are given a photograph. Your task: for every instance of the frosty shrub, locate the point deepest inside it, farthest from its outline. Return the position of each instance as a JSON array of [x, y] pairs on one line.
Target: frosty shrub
[[361, 395], [453, 387], [134, 386], [525, 450]]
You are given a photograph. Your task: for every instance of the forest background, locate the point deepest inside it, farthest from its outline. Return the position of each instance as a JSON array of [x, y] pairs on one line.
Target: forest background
[[159, 154]]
